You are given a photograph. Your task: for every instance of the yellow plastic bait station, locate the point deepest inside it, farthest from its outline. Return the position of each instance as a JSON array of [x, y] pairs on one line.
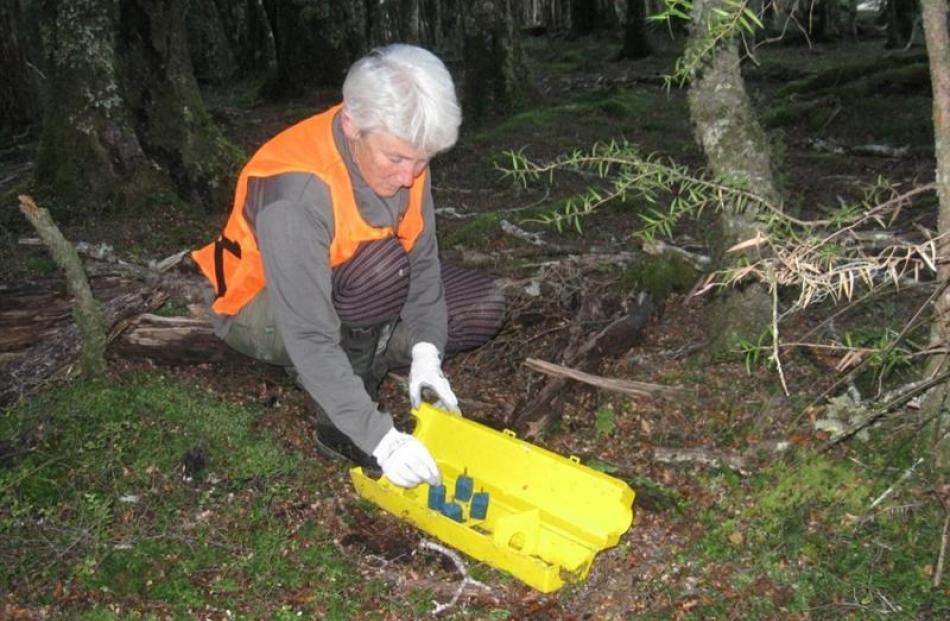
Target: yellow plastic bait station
[[516, 506]]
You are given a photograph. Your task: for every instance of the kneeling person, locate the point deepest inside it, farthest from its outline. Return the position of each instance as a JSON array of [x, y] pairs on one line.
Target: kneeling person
[[329, 261]]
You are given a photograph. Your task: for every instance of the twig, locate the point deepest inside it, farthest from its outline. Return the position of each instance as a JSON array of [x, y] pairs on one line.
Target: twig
[[460, 566], [900, 480], [532, 238], [628, 387], [775, 350], [708, 457], [941, 558]]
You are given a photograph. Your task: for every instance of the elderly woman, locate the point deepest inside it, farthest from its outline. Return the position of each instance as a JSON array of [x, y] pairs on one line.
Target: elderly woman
[[329, 261]]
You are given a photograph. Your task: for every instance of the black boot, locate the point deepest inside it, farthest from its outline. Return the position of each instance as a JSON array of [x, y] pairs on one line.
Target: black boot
[[333, 443]]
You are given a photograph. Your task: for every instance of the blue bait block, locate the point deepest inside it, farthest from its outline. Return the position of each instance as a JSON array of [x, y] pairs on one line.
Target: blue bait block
[[463, 487], [452, 510], [479, 508], [436, 497]]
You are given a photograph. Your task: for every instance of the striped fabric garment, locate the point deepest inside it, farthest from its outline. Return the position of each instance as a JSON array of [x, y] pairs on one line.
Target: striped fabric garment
[[372, 288]]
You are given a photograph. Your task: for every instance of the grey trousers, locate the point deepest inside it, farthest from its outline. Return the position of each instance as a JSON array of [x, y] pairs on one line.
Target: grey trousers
[[372, 350]]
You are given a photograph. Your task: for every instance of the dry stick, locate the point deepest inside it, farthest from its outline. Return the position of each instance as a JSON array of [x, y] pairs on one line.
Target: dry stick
[[628, 387], [460, 565], [775, 350], [86, 311], [706, 457], [899, 480], [941, 557]]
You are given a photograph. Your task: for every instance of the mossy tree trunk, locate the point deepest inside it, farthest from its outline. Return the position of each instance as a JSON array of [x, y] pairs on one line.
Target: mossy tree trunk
[[737, 151], [495, 73], [125, 122], [936, 20]]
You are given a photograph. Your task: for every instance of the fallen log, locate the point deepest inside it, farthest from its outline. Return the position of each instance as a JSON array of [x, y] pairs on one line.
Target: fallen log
[[172, 340], [39, 341], [52, 359]]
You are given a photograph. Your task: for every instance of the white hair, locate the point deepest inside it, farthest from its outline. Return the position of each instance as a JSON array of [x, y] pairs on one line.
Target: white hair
[[407, 92]]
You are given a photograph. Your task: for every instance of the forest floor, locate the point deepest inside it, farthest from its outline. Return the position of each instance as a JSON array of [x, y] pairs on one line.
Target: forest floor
[[754, 521]]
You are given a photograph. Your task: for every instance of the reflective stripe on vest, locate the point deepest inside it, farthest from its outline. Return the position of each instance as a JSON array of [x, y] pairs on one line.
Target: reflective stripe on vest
[[232, 263]]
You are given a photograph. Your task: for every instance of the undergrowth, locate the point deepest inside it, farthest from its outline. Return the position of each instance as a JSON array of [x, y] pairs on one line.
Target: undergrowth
[[153, 499], [818, 537]]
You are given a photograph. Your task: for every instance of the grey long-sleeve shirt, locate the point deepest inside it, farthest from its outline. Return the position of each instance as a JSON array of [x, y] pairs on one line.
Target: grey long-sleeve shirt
[[293, 221]]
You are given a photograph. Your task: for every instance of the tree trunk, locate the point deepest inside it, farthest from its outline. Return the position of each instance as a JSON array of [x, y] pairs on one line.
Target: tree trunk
[[19, 87], [636, 43], [937, 404], [900, 22], [318, 40], [125, 120], [213, 57], [495, 73], [547, 16], [589, 16], [229, 38], [737, 151]]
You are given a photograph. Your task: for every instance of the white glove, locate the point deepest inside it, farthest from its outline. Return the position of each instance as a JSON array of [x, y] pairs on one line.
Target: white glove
[[426, 372], [405, 461]]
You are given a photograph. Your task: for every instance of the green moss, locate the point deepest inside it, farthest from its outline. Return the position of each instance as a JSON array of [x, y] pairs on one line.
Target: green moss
[[475, 232], [660, 275], [42, 265], [800, 542]]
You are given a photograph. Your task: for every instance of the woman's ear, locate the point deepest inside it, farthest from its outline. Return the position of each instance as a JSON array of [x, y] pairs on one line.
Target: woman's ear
[[349, 128]]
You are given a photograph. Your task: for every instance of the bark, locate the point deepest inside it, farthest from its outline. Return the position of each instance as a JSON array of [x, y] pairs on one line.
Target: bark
[[212, 53], [495, 74], [52, 359], [737, 151], [125, 120], [937, 404], [40, 342]]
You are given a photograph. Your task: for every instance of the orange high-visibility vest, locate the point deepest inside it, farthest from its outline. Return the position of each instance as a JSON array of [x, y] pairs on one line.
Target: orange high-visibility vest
[[232, 263]]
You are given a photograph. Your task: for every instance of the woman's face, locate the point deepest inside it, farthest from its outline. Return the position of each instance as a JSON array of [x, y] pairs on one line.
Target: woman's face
[[387, 163]]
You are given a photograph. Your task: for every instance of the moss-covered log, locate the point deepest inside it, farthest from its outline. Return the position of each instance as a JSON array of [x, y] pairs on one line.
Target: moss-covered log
[[86, 311], [842, 77]]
